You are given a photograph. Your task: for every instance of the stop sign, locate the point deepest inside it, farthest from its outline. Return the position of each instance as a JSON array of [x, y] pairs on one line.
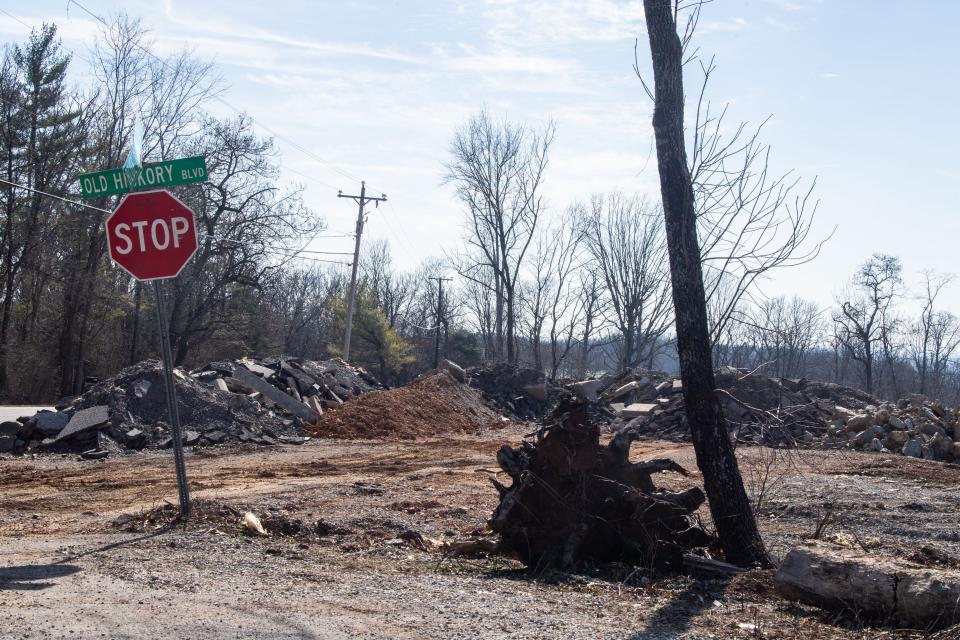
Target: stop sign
[[151, 235]]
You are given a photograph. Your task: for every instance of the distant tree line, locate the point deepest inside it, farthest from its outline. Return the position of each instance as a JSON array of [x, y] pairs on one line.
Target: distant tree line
[[569, 293]]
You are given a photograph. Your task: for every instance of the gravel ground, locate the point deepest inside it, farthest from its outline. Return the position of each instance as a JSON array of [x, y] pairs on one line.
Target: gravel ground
[[85, 550]]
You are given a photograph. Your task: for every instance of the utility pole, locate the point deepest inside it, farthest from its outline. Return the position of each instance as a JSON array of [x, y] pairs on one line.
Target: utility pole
[[361, 200], [436, 348]]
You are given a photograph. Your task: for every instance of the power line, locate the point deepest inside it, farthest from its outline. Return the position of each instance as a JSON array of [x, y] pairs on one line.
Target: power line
[[53, 195], [229, 105], [271, 250], [224, 102], [17, 19]]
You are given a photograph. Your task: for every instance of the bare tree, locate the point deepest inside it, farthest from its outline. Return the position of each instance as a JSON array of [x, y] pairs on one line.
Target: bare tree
[[860, 320], [935, 336], [592, 305], [626, 240], [782, 333], [248, 227], [729, 505], [750, 221], [497, 170]]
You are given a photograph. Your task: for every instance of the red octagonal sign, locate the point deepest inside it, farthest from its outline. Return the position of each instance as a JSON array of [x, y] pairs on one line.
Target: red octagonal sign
[[151, 235]]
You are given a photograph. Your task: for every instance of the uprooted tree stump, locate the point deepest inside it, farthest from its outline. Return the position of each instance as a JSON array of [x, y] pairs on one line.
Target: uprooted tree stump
[[573, 499]]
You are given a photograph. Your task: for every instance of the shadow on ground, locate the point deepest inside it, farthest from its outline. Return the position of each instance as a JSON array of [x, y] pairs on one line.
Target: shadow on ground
[[33, 577]]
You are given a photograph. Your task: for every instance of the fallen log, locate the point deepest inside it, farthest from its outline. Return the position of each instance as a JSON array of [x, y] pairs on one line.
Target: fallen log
[[874, 588], [573, 499]]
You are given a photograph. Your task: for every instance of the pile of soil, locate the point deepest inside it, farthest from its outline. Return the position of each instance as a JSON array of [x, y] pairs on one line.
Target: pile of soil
[[434, 404]]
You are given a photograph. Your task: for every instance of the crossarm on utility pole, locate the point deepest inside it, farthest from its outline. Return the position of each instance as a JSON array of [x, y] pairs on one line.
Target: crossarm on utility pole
[[361, 201]]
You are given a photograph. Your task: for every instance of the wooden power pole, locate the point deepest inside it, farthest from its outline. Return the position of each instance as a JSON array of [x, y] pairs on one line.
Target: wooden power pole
[[362, 201]]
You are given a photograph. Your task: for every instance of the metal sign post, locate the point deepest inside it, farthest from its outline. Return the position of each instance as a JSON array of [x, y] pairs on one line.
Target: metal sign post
[[175, 431], [152, 236]]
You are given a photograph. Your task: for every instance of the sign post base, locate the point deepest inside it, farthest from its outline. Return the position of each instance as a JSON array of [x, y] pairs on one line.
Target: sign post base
[[171, 390]]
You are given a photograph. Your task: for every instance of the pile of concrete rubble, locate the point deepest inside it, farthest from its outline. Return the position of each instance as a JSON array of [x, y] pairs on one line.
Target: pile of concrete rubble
[[782, 413], [264, 401], [758, 409], [912, 426]]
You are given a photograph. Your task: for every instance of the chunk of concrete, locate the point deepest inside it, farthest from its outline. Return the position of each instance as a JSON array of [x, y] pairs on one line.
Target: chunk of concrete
[[141, 388], [587, 389], [637, 410], [85, 420], [216, 436], [455, 370], [9, 428], [50, 423], [135, 439], [287, 403], [221, 385], [258, 369], [621, 391]]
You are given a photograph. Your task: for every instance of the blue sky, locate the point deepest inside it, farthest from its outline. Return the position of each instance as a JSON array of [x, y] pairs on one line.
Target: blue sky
[[863, 95]]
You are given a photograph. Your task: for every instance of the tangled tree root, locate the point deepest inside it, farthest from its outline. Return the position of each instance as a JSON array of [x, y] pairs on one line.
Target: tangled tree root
[[573, 499]]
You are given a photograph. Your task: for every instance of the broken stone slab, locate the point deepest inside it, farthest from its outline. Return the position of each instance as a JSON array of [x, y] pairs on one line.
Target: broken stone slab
[[258, 369], [215, 437], [238, 386], [858, 422], [913, 448], [637, 410], [455, 370], [868, 435], [677, 385], [287, 403], [95, 454], [9, 428], [314, 403], [878, 588], [587, 389], [292, 386], [221, 385], [623, 390], [191, 438], [85, 420], [136, 439], [296, 440], [141, 388], [50, 423], [665, 387]]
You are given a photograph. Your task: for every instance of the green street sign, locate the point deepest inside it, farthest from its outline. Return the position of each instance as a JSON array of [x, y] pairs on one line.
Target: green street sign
[[151, 176]]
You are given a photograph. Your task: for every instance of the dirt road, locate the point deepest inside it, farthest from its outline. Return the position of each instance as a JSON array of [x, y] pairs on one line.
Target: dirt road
[[354, 551]]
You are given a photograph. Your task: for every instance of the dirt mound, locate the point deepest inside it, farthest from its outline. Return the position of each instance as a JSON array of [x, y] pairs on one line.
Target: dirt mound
[[433, 404]]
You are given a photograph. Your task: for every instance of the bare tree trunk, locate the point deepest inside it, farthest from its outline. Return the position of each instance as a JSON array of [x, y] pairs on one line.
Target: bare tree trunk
[[729, 505]]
